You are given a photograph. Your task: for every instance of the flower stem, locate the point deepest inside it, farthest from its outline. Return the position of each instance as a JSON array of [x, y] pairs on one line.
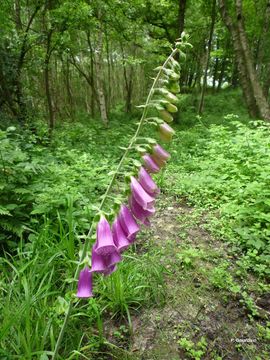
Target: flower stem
[[87, 240]]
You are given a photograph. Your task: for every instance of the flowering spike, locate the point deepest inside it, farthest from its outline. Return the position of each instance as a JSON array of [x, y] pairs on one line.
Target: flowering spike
[[150, 164], [138, 211], [147, 182], [166, 132], [104, 244], [142, 197], [119, 236], [85, 284], [128, 223]]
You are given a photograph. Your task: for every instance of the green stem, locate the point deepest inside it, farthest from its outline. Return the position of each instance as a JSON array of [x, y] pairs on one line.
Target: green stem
[[87, 240]]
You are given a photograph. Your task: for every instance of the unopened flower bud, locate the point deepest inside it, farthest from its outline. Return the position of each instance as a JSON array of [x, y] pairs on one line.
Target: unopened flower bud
[[166, 132], [171, 108], [166, 116]]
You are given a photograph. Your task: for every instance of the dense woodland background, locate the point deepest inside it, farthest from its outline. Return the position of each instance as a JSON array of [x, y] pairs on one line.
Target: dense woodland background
[[59, 58], [72, 74]]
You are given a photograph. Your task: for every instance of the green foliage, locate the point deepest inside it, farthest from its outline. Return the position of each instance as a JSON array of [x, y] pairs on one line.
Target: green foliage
[[19, 167], [137, 282], [32, 289], [196, 350], [188, 256], [225, 168], [69, 176]]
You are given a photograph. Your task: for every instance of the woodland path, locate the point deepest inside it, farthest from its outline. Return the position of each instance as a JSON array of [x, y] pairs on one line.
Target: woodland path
[[200, 319]]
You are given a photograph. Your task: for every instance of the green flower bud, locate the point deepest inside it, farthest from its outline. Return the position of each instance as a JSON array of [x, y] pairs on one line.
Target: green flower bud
[[171, 98], [174, 88], [166, 116], [171, 108]]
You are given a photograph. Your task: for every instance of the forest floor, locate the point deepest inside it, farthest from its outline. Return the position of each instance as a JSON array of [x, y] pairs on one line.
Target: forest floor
[[201, 319]]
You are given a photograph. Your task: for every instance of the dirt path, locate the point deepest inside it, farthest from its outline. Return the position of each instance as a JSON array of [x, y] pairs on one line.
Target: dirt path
[[201, 318]]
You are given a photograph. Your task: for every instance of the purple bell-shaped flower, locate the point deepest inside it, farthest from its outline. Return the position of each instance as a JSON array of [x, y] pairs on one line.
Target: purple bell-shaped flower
[[101, 263], [141, 196], [85, 284], [160, 155], [104, 244], [150, 164], [166, 132], [128, 223], [140, 213], [119, 236], [147, 182]]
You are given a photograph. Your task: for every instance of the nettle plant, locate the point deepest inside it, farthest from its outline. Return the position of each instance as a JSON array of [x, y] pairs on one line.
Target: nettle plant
[[137, 191]]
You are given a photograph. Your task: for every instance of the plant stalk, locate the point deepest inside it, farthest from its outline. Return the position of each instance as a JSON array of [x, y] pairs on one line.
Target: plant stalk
[[87, 240]]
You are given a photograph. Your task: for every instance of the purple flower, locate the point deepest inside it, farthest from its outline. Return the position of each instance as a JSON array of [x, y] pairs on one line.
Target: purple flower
[[85, 284], [150, 164], [119, 236], [101, 263], [140, 213], [109, 270], [160, 155], [166, 132], [128, 223], [147, 182], [142, 197], [104, 244]]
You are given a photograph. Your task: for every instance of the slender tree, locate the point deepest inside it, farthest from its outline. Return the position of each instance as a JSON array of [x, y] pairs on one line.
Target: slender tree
[[253, 93]]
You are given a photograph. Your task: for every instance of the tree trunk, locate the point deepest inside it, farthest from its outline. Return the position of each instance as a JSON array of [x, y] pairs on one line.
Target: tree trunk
[[239, 58], [215, 73], [263, 39], [89, 79], [100, 90], [253, 93], [181, 26], [216, 67], [263, 106], [109, 82], [128, 81], [221, 74], [47, 83], [213, 19], [22, 109], [181, 16], [266, 85], [17, 15], [66, 68], [92, 62]]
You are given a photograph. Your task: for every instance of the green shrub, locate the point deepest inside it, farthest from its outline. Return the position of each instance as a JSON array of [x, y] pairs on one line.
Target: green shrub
[[226, 168]]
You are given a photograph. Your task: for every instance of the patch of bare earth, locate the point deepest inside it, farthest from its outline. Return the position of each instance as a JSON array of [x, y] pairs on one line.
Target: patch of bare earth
[[193, 309]]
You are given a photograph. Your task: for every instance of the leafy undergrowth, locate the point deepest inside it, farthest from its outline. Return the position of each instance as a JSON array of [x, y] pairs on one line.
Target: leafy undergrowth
[[178, 291], [39, 179], [225, 169]]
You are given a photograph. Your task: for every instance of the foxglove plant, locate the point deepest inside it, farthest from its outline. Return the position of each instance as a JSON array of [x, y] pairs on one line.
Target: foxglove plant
[[110, 242]]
